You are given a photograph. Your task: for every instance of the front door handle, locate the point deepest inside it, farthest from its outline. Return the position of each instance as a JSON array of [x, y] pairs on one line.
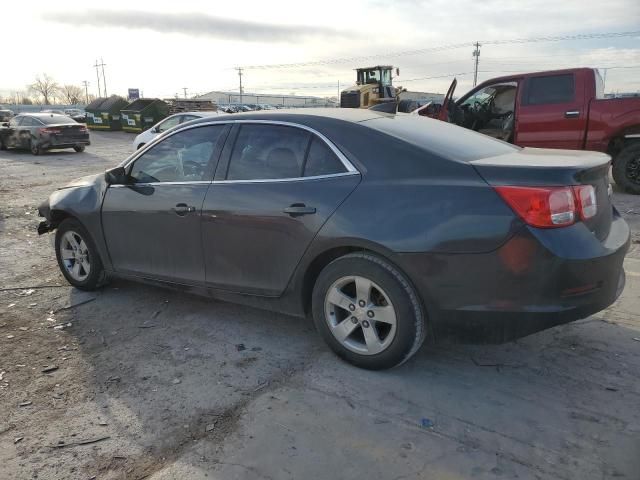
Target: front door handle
[[572, 114], [298, 209], [182, 209]]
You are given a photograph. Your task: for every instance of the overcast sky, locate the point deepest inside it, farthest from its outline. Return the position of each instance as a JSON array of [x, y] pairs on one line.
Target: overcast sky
[[161, 47]]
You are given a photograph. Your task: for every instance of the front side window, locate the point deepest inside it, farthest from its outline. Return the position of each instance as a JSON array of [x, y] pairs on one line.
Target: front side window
[[268, 152], [169, 123], [182, 157], [28, 122], [550, 89], [15, 121]]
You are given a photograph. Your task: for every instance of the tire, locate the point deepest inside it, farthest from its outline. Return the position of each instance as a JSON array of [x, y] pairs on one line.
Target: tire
[[86, 252], [79, 148], [2, 145], [394, 341], [35, 148], [626, 169]]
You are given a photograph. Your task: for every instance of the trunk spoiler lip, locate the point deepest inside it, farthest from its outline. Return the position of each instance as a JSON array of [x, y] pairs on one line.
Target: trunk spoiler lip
[[545, 158]]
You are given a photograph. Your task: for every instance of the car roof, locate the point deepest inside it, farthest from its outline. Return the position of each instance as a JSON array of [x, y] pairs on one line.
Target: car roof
[[42, 114], [351, 115]]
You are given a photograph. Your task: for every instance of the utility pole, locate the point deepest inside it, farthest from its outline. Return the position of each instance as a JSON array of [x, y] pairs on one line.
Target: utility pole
[[476, 54], [184, 89], [86, 90], [239, 69], [104, 80], [98, 75]]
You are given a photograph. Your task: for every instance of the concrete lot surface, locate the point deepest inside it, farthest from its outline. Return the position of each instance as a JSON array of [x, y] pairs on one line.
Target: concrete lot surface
[[135, 382]]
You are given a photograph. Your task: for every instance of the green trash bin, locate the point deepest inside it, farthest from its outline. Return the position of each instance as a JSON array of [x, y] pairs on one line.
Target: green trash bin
[[143, 114], [104, 113]]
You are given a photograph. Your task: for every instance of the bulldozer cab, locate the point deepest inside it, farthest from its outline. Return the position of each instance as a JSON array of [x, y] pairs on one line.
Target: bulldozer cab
[[373, 86], [380, 75]]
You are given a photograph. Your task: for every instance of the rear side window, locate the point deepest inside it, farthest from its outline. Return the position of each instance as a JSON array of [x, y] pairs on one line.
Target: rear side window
[[321, 160], [550, 89], [268, 152]]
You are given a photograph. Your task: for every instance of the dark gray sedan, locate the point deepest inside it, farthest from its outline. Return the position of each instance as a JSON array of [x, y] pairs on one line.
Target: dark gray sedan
[[39, 132], [386, 229]]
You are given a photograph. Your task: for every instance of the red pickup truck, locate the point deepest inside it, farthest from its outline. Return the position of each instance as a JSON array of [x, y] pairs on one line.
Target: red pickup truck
[[556, 109]]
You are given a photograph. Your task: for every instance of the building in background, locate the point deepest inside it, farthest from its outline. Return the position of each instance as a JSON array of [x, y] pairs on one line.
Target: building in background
[[230, 98]]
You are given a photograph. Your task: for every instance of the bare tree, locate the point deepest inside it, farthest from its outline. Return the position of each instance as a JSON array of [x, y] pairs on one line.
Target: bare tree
[[46, 87], [71, 94]]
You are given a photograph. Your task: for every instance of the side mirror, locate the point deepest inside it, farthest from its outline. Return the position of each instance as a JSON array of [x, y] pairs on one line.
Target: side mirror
[[116, 176]]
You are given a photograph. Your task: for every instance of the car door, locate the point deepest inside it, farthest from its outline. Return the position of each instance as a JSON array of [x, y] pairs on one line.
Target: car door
[[275, 186], [21, 134], [152, 224], [551, 112]]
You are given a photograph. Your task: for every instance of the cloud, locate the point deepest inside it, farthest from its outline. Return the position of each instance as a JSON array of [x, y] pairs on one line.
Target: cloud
[[191, 24]]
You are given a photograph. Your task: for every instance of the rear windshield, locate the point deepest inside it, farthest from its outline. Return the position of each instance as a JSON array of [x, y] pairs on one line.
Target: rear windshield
[[55, 119], [441, 138]]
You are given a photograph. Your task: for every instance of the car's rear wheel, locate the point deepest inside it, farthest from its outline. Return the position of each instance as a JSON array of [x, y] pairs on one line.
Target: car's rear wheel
[[35, 148], [626, 169], [77, 256], [3, 146], [368, 312], [79, 148]]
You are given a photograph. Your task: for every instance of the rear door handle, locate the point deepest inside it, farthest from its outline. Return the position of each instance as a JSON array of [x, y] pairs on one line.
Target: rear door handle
[[298, 209], [182, 209], [572, 114]]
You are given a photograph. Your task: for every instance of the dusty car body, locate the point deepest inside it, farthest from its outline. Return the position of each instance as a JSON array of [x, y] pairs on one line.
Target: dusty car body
[[444, 225], [39, 132]]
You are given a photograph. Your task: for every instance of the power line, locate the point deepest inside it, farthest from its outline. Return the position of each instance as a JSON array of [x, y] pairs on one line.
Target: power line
[[557, 38]]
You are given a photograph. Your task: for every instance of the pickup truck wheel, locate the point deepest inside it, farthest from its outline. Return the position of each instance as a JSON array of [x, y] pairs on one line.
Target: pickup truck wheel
[[626, 169], [77, 256]]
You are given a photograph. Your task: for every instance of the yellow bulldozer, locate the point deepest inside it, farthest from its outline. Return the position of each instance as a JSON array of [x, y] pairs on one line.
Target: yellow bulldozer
[[373, 86]]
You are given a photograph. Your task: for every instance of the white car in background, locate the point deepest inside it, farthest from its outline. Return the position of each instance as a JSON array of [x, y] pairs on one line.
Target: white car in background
[[169, 122]]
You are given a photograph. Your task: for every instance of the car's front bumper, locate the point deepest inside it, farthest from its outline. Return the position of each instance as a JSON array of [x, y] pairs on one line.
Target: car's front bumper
[[536, 280]]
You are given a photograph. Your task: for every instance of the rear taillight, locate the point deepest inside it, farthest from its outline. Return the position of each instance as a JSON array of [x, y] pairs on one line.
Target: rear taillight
[[551, 207], [50, 130], [586, 200], [83, 129]]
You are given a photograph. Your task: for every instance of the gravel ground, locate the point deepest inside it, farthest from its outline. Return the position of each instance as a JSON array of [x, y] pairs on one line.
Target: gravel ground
[[139, 382]]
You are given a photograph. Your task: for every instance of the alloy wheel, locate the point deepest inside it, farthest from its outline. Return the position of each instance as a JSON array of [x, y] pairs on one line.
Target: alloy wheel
[[75, 256], [360, 315]]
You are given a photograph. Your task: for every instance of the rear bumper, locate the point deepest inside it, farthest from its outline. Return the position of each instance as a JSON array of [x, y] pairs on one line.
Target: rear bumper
[[536, 280], [64, 142]]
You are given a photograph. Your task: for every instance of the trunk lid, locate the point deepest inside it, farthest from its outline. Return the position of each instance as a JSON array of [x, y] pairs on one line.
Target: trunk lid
[[534, 167]]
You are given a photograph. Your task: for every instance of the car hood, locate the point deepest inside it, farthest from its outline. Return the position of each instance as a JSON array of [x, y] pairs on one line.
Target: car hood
[[88, 181]]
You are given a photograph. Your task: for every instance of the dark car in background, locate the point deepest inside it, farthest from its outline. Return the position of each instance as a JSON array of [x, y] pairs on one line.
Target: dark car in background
[[39, 132], [386, 229], [5, 115], [78, 115]]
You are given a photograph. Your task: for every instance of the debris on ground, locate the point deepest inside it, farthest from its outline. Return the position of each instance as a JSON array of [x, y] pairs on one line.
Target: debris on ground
[[637, 339], [63, 444], [175, 381], [25, 404], [240, 347], [210, 427], [427, 423], [17, 440], [49, 369], [73, 305], [10, 336]]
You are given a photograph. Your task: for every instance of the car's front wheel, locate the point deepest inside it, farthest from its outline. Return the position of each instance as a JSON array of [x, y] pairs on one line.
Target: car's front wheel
[[77, 256], [79, 148], [368, 312]]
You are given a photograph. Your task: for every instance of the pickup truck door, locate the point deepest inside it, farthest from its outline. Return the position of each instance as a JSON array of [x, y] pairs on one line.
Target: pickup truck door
[[552, 112]]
